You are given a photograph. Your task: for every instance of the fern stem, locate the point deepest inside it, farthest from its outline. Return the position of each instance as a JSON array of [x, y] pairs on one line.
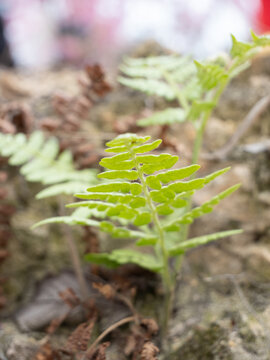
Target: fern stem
[[167, 279], [181, 99], [206, 116], [75, 258], [195, 157]]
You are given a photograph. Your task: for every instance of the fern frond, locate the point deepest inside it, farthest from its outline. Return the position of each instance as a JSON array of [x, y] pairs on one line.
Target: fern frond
[[196, 86], [142, 190], [242, 52], [40, 161], [163, 76]]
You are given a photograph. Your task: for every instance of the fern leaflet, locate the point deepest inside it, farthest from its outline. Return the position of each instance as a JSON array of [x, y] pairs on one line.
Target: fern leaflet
[[40, 161]]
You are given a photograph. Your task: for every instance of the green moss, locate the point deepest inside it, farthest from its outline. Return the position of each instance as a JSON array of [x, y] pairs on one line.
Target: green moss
[[206, 344]]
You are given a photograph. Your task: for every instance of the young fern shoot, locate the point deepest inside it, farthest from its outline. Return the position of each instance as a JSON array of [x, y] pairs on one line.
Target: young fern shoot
[[195, 86], [142, 191]]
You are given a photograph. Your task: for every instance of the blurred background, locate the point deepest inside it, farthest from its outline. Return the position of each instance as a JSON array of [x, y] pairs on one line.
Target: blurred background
[[46, 33]]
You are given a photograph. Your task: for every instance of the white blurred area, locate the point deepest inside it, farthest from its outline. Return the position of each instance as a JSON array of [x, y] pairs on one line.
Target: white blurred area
[[42, 33]]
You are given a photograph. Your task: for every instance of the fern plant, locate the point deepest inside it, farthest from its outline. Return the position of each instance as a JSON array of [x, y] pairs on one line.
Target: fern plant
[[41, 161], [144, 199], [196, 86]]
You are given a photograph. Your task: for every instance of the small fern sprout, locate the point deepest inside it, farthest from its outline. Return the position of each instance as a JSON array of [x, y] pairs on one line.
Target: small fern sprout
[[142, 197], [194, 86]]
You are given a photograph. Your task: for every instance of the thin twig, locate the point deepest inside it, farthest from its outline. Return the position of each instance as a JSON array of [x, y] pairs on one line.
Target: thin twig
[[106, 332], [129, 304], [255, 113]]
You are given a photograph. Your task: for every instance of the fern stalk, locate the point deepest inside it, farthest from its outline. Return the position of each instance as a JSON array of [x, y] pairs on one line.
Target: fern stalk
[[167, 276], [181, 99], [200, 133], [195, 158], [74, 256]]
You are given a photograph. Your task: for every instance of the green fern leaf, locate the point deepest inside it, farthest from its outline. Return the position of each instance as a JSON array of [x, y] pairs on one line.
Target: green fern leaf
[[119, 174], [169, 62], [263, 40], [154, 181], [41, 162], [150, 87], [29, 150], [210, 75], [199, 107], [47, 154], [68, 220], [147, 147], [9, 144], [206, 208], [168, 116], [201, 240], [241, 49], [122, 187], [215, 174], [125, 256], [66, 188], [141, 71]]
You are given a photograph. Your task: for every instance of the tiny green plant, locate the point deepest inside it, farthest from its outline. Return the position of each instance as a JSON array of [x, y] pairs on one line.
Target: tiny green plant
[[141, 197], [195, 86]]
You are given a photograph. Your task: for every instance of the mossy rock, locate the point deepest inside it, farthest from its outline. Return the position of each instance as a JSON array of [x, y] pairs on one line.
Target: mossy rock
[[209, 343]]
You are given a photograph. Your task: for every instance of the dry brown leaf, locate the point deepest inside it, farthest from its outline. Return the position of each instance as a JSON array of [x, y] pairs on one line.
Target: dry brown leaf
[[105, 289], [79, 339], [69, 297], [99, 353], [46, 352], [149, 351], [16, 117], [50, 124], [150, 326], [3, 176]]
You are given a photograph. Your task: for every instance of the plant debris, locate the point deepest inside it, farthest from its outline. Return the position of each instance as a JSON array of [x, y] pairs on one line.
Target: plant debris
[[15, 118], [79, 339], [149, 351], [46, 352], [99, 353]]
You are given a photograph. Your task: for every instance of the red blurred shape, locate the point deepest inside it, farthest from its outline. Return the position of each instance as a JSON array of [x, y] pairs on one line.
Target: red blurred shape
[[264, 17]]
